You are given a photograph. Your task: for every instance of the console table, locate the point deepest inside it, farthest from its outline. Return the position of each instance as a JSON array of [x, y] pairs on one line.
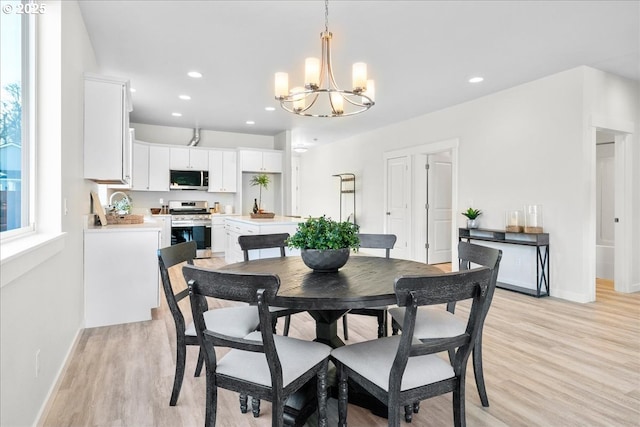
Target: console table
[[539, 240]]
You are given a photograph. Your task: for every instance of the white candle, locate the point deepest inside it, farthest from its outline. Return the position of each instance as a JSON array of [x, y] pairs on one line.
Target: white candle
[[282, 85], [337, 103], [359, 76], [311, 72]]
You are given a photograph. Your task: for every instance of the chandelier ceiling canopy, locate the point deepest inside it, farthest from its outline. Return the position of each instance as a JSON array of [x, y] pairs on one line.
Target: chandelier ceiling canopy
[[321, 96]]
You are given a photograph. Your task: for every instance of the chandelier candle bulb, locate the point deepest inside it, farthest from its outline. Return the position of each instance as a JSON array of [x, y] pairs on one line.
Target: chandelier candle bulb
[[282, 85], [359, 77], [337, 103], [312, 73]]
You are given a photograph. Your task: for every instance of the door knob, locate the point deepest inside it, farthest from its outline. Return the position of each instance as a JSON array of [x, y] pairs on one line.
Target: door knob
[[388, 213]]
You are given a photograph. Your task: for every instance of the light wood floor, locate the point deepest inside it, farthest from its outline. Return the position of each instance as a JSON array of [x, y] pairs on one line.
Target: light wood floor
[[548, 362]]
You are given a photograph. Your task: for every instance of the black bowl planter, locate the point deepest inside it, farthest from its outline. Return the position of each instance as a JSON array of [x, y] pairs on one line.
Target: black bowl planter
[[325, 260]]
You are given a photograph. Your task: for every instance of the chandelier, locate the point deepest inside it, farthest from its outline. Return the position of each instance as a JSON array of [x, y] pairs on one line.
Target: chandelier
[[321, 96]]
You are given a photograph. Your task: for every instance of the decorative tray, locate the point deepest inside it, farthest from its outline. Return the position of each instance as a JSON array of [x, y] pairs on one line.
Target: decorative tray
[[263, 215], [125, 219]]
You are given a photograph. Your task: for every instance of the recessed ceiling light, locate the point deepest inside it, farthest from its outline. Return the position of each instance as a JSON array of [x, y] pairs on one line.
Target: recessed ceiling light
[[194, 74], [185, 97], [176, 114], [250, 122], [476, 79], [270, 108], [300, 149], [132, 89]]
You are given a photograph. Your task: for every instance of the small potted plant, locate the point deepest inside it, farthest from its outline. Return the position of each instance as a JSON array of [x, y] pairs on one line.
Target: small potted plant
[[325, 244], [262, 181], [472, 217]]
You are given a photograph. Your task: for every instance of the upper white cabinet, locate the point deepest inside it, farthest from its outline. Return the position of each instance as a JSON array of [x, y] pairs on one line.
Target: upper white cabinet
[[150, 167], [223, 171], [159, 159], [140, 175], [107, 143], [261, 161], [189, 158]]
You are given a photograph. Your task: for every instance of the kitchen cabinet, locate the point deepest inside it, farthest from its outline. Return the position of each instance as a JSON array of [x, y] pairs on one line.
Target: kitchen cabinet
[[107, 141], [261, 161], [218, 234], [159, 158], [140, 173], [223, 171], [121, 277], [245, 225], [150, 167], [165, 234], [186, 158]]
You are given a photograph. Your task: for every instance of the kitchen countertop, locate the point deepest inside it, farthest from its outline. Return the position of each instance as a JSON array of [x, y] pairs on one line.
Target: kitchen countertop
[[148, 225], [277, 220]]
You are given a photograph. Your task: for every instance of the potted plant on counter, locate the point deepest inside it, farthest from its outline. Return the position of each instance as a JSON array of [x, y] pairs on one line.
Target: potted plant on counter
[[262, 181], [325, 244], [472, 217]]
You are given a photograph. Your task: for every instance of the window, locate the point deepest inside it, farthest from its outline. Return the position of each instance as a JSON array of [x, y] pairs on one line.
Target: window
[[16, 83]]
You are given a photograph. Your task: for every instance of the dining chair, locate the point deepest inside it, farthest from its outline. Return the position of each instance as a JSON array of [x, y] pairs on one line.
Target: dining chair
[[401, 370], [433, 322], [373, 241], [265, 365], [233, 321], [269, 241]]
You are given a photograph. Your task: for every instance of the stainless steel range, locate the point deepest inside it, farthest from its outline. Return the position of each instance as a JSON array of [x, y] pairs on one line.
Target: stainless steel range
[[191, 221]]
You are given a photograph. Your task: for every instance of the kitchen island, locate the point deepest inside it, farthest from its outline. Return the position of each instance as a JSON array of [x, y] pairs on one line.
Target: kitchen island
[[121, 278], [245, 225]]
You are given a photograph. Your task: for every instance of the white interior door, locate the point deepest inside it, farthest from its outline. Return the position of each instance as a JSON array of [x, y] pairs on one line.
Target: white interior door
[[397, 212], [439, 214], [605, 210]]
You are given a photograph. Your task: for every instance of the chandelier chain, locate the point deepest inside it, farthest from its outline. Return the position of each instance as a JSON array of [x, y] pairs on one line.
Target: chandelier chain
[[326, 16]]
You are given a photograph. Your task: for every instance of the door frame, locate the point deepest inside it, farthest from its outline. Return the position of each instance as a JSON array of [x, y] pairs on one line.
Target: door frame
[[623, 134], [450, 145]]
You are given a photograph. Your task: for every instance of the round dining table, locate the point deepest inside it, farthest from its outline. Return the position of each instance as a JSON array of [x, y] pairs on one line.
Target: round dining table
[[363, 282]]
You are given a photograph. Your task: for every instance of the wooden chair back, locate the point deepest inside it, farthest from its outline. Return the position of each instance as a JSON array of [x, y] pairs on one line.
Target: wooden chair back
[[263, 241], [378, 241], [167, 258], [416, 291], [255, 289], [471, 256]]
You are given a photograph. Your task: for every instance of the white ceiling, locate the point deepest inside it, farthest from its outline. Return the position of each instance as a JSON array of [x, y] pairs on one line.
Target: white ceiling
[[420, 53]]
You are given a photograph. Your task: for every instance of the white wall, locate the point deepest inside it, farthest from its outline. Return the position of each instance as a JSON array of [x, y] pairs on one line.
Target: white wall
[[208, 138], [43, 309], [524, 145]]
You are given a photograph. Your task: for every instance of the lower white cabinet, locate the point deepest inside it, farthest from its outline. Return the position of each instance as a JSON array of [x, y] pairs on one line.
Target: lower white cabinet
[[238, 226], [121, 279], [165, 234], [234, 229], [218, 234]]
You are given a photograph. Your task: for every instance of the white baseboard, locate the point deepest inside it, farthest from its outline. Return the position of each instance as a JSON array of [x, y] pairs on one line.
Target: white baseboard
[[48, 402]]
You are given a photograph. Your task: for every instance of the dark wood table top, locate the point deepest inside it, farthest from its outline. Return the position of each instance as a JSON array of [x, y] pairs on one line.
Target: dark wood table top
[[363, 282]]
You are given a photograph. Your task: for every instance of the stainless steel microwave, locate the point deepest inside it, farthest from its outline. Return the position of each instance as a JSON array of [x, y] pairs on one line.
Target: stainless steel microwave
[[189, 180]]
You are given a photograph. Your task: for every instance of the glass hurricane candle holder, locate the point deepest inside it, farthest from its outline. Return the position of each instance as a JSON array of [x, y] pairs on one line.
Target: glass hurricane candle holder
[[514, 221], [533, 219]]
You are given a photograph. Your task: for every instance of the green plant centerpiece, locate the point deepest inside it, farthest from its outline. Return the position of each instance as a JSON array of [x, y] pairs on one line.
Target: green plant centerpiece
[[325, 244], [472, 217]]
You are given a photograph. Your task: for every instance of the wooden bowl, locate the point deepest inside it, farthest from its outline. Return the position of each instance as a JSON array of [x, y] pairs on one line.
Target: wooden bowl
[[155, 211]]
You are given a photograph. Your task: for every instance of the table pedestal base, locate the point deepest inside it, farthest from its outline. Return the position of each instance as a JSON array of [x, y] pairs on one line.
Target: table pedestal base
[[327, 326]]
